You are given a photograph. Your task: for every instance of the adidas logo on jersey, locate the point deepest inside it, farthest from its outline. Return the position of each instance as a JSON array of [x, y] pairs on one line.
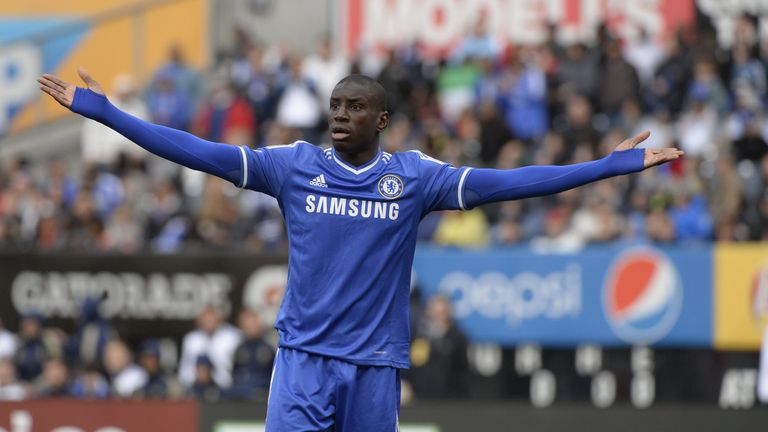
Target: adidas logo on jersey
[[319, 181]]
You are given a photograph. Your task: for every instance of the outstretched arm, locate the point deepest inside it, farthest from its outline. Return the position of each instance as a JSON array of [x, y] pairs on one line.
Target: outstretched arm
[[489, 185], [221, 160]]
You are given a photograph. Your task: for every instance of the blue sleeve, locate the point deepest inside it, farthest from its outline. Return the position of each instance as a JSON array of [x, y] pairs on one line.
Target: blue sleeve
[[222, 160], [441, 184], [489, 185], [267, 168]]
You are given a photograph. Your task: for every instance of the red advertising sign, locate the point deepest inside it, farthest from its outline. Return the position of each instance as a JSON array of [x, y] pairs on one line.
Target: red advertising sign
[[98, 416], [440, 24]]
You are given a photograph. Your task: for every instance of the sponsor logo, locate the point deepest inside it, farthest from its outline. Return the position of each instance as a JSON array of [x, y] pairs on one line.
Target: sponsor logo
[[519, 298], [642, 295], [352, 207], [391, 186], [125, 295], [319, 181]]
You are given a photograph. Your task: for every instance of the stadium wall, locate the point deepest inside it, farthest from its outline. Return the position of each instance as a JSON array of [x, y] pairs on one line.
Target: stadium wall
[[191, 416]]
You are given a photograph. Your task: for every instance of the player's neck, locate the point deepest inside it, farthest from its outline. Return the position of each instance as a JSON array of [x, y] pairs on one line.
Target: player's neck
[[359, 158]]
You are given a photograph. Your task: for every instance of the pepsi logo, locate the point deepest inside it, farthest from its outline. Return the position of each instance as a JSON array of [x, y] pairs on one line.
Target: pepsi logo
[[642, 295]]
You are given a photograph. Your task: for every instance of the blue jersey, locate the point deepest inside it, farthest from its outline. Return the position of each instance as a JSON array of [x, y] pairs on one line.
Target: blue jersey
[[351, 230], [352, 236]]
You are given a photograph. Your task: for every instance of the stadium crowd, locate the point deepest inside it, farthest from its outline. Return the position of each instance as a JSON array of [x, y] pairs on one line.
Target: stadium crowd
[[215, 360], [480, 104]]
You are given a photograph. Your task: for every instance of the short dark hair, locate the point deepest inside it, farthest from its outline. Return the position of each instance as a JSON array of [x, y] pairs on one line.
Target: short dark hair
[[374, 86]]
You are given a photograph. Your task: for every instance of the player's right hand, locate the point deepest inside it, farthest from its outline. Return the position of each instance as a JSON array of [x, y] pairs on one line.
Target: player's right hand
[[64, 92]]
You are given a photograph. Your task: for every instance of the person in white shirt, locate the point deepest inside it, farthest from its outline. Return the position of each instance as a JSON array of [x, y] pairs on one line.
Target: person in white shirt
[[100, 144], [8, 343], [214, 338], [762, 376], [325, 69], [10, 388], [125, 376]]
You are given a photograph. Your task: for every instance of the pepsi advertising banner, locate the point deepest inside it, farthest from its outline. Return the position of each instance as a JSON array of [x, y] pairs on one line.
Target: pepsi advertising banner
[[607, 296]]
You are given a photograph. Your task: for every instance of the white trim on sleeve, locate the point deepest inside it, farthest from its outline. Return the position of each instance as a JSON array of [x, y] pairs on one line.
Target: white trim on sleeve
[[245, 168], [461, 188]]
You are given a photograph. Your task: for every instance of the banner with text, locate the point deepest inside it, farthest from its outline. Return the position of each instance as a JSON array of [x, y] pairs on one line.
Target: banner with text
[[143, 296], [607, 296], [438, 25]]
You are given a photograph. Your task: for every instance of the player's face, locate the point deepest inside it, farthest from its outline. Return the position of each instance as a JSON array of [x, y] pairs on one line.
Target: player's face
[[355, 118]]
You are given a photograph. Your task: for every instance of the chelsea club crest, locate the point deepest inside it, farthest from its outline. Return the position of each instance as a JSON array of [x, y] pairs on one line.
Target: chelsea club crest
[[390, 186]]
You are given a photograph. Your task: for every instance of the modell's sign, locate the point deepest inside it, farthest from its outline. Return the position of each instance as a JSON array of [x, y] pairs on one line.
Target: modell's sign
[[438, 25], [98, 416]]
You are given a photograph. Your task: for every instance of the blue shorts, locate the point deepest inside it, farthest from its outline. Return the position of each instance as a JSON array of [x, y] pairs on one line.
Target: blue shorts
[[312, 393]]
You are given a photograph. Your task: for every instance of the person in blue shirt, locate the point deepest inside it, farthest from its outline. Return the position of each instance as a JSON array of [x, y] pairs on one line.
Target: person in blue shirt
[[352, 213]]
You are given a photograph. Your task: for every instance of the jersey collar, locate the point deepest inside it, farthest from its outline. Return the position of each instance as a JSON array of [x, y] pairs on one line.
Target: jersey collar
[[353, 169]]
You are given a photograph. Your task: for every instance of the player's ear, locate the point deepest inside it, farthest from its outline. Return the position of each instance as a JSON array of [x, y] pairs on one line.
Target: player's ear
[[383, 121]]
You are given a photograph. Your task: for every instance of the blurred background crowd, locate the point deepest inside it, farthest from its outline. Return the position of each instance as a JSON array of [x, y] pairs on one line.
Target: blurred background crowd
[[480, 104], [215, 360]]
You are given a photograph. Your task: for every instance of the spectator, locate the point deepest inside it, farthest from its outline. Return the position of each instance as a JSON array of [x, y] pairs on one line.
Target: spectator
[[204, 387], [668, 89], [36, 346], [101, 145], [84, 230], [523, 98], [691, 217], [618, 81], [159, 384], [725, 196], [54, 381], [182, 77], [253, 359], [8, 343], [225, 116], [86, 347], [645, 54], [494, 132], [578, 73], [558, 238], [324, 69], [659, 227], [169, 105], [125, 377], [577, 127], [10, 387], [439, 354], [707, 88], [697, 127], [462, 229], [90, 384], [123, 232], [478, 44], [214, 339], [455, 89], [299, 105], [748, 71]]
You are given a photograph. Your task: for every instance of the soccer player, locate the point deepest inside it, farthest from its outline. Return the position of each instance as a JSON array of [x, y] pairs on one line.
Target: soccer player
[[351, 212]]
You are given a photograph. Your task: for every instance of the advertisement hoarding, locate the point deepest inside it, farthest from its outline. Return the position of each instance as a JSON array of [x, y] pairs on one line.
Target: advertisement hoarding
[[607, 296]]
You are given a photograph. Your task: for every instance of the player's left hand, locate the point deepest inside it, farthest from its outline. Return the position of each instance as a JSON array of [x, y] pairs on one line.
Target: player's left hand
[[653, 157]]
